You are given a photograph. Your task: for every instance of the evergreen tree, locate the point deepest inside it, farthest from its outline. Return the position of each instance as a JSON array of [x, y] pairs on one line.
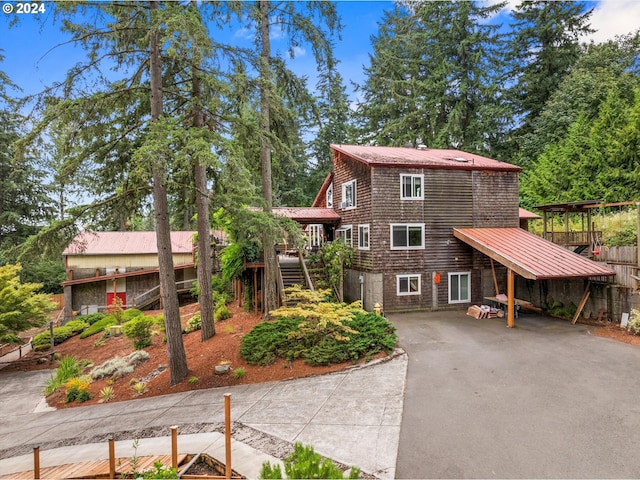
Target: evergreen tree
[[335, 124], [434, 78], [545, 43]]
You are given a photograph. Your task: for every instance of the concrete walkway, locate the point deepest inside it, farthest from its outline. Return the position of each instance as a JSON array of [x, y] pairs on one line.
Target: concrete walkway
[[352, 417]]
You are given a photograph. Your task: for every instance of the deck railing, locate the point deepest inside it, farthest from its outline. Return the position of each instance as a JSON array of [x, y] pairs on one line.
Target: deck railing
[[572, 238]]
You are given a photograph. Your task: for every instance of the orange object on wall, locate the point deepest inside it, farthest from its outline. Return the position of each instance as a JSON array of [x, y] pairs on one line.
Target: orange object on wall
[[436, 279]]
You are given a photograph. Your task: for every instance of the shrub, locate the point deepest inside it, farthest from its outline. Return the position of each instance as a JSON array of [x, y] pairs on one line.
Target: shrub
[[78, 389], [634, 322], [194, 323], [99, 326], [239, 372], [222, 313], [268, 341], [119, 366], [42, 341], [107, 394], [68, 368], [139, 330], [130, 314], [140, 388], [92, 317], [304, 462], [319, 342], [77, 326]]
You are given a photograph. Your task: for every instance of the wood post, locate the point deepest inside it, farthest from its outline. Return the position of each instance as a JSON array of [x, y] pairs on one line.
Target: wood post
[[174, 447], [495, 280], [36, 462], [510, 298], [227, 434], [112, 458]]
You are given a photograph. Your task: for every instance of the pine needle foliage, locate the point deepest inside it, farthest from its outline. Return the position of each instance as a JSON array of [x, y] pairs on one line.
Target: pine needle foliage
[[323, 333]]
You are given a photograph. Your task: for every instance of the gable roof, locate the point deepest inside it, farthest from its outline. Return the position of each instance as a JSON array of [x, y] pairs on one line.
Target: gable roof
[[321, 196], [422, 158], [527, 215], [126, 243], [529, 255]]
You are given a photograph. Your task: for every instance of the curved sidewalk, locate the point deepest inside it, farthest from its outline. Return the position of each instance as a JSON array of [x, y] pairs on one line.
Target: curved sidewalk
[[352, 417]]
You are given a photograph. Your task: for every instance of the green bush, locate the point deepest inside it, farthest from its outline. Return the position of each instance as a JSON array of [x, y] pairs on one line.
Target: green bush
[[77, 326], [139, 330], [92, 317], [78, 390], [68, 368], [194, 323], [99, 326], [268, 341], [304, 462], [42, 341], [222, 313], [130, 314], [286, 338]]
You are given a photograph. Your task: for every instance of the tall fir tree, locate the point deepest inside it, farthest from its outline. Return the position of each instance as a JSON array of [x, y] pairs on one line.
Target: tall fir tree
[[544, 44]]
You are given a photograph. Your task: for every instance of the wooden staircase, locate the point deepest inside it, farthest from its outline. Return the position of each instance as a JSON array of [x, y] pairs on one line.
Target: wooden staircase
[[291, 271]]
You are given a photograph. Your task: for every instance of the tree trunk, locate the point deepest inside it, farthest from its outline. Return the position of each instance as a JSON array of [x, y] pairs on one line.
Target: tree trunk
[[270, 292], [168, 293], [205, 267]]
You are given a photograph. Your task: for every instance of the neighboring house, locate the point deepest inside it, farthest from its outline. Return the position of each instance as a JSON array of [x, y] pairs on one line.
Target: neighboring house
[[103, 265], [413, 217]]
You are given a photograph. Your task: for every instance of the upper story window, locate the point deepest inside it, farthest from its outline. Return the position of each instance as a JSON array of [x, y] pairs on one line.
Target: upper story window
[[345, 234], [348, 195], [407, 236], [329, 195], [363, 237], [411, 187]]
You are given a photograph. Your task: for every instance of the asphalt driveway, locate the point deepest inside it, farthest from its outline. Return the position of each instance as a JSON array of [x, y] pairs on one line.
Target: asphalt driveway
[[544, 400]]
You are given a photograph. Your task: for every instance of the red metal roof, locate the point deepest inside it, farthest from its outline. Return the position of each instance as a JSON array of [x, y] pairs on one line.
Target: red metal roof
[[423, 158], [126, 243], [530, 256], [527, 215], [308, 214]]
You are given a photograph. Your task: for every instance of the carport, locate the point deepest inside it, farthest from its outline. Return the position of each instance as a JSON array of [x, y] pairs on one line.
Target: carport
[[529, 256]]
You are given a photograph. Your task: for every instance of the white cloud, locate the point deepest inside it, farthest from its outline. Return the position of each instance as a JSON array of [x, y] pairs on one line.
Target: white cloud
[[299, 52], [614, 17]]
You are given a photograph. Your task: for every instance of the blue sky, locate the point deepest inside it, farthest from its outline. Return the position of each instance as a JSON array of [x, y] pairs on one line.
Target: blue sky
[[32, 62]]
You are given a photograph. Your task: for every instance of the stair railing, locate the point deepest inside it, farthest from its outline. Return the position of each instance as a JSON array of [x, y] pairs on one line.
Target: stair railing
[[305, 271]]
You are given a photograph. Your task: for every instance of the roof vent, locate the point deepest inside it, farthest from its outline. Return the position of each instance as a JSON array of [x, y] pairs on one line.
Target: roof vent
[[422, 147], [460, 159]]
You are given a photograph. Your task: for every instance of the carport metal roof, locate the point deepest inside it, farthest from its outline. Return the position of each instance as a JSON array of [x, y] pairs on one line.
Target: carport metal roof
[[529, 255]]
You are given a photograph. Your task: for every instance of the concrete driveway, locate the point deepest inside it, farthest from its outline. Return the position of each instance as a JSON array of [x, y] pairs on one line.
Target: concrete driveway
[[544, 400]]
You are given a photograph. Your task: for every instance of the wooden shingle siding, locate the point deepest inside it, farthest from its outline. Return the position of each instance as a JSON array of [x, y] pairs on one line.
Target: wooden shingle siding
[[495, 199], [452, 198]]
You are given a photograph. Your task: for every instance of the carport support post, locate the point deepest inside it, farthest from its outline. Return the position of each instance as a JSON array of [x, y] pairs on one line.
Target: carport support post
[[510, 298]]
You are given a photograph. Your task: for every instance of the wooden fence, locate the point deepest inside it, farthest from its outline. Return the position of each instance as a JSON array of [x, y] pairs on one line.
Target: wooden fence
[[58, 299]]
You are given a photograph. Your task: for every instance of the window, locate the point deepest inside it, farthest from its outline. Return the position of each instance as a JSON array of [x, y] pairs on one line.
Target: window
[[411, 187], [460, 287], [408, 284], [407, 236], [348, 195], [329, 195], [346, 234], [363, 237]]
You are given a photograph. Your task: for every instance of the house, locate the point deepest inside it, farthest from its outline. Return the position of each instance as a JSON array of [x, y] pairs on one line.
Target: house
[[103, 265], [419, 220]]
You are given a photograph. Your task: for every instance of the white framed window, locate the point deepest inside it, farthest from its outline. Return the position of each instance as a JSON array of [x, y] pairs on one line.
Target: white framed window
[[345, 233], [411, 187], [408, 284], [459, 287], [348, 195], [363, 237], [407, 236], [329, 195]]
